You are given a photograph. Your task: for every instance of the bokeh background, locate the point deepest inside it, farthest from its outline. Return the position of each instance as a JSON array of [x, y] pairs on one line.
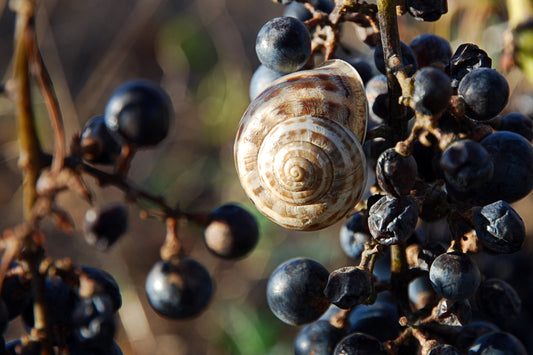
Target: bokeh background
[[202, 53]]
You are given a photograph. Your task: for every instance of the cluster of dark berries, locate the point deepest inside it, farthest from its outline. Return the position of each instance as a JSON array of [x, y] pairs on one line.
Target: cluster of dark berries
[[138, 115], [440, 152]]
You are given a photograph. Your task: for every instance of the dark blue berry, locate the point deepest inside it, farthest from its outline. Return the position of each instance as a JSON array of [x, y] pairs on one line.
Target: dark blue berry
[[179, 289], [283, 44], [317, 338], [432, 91], [354, 235], [261, 79], [140, 111], [297, 9], [497, 343], [107, 282], [408, 59], [518, 123], [454, 276], [104, 225], [485, 92], [498, 300], [94, 323], [232, 232], [466, 165], [470, 332], [363, 68], [379, 320], [431, 50], [295, 291], [97, 143], [359, 344], [512, 157]]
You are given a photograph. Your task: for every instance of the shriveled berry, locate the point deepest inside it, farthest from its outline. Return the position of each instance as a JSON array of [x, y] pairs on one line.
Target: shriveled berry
[[348, 287], [499, 228], [393, 220], [283, 44], [454, 276], [179, 289], [427, 10], [295, 291], [232, 232], [104, 225], [396, 174], [140, 111], [466, 58]]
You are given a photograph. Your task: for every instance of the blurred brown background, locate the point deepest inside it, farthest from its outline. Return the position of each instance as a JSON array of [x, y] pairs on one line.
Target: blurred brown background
[[202, 53]]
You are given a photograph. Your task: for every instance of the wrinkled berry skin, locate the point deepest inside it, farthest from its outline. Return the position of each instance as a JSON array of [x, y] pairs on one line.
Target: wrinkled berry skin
[[393, 220], [466, 165], [454, 276], [317, 338], [396, 174], [497, 343], [512, 157], [359, 344], [466, 58], [498, 300], [431, 50], [295, 291], [140, 111], [232, 232], [432, 91], [261, 79], [98, 144], [485, 92], [499, 228], [427, 10], [283, 44], [354, 235], [179, 289], [348, 286]]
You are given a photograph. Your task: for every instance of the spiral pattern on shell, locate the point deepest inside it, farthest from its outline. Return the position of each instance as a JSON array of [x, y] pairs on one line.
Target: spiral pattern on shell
[[298, 152]]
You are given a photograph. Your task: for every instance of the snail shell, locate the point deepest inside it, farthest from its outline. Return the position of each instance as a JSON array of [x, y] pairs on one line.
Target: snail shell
[[298, 152]]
